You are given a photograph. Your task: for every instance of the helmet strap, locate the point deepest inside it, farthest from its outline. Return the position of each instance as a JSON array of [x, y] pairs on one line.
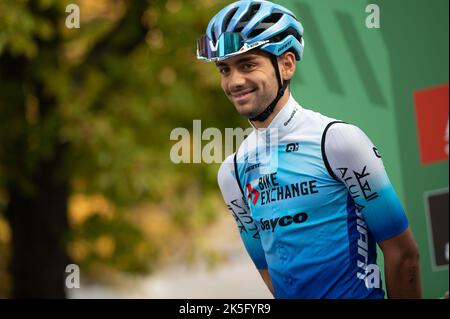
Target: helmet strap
[[281, 89]]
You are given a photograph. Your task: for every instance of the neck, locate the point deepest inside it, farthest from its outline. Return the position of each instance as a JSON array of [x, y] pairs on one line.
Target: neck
[[281, 103]]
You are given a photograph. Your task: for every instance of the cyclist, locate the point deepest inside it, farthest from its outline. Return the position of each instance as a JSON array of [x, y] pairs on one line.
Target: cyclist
[[312, 211]]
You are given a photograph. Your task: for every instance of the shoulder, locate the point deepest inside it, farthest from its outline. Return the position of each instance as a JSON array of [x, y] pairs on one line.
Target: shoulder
[[313, 122], [310, 115], [225, 175], [340, 137]]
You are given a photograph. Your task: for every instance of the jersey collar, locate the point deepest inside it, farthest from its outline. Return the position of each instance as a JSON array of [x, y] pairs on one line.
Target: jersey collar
[[284, 118]]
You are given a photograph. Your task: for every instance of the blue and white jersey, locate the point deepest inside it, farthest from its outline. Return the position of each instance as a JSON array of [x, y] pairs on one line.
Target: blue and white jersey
[[311, 199]]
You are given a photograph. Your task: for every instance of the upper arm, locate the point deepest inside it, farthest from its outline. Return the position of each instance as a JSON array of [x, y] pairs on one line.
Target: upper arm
[[236, 204], [355, 161], [401, 246]]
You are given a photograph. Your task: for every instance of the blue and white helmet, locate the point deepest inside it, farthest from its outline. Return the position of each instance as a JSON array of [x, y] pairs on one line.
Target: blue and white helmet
[[249, 24]]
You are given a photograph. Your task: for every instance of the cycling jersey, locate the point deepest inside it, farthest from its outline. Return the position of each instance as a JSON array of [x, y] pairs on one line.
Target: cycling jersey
[[312, 209]]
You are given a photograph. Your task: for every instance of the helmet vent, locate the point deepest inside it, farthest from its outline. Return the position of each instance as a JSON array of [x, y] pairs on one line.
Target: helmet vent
[[255, 32], [213, 33], [227, 19], [273, 18], [265, 24], [250, 13], [285, 33]]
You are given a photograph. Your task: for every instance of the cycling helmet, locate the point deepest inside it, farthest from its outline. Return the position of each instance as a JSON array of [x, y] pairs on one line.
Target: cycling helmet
[[249, 24]]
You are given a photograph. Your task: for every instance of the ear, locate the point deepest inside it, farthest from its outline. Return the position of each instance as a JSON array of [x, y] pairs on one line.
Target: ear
[[287, 64]]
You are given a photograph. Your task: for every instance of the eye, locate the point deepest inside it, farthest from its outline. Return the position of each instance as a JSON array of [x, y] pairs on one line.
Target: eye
[[224, 71], [248, 66]]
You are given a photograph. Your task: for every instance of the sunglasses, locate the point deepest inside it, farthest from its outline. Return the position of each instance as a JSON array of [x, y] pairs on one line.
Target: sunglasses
[[228, 44]]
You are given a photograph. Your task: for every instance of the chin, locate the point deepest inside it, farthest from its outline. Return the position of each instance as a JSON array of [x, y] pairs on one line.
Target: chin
[[245, 110], [245, 113]]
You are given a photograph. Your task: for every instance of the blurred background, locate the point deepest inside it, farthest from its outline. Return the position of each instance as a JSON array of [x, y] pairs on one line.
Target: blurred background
[[85, 120]]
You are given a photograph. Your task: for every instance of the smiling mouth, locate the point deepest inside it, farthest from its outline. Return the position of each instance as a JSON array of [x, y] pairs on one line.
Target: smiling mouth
[[241, 97]]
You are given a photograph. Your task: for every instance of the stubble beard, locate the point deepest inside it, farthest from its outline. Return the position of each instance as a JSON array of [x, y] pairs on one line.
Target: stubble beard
[[255, 107]]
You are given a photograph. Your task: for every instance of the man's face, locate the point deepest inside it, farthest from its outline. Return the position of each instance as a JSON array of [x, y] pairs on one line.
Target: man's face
[[249, 81]]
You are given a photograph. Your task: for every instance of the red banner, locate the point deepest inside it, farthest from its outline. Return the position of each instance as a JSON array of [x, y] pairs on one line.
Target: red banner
[[432, 123]]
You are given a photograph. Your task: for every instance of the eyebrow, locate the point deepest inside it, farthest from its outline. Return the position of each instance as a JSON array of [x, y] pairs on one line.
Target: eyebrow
[[241, 60]]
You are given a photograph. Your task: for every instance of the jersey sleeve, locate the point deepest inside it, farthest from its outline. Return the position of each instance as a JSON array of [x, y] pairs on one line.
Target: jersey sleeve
[[238, 208], [353, 159]]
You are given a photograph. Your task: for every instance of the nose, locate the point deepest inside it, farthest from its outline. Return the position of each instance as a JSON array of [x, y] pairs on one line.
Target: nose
[[236, 80]]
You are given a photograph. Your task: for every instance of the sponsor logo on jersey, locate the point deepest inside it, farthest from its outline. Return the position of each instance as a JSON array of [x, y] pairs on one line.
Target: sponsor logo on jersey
[[273, 223], [358, 185], [252, 167], [290, 117], [377, 153], [244, 220], [362, 185], [292, 147], [269, 190], [253, 194]]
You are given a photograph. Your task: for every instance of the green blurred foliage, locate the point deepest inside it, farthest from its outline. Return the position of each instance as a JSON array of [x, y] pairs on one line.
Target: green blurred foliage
[[121, 82], [115, 243]]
